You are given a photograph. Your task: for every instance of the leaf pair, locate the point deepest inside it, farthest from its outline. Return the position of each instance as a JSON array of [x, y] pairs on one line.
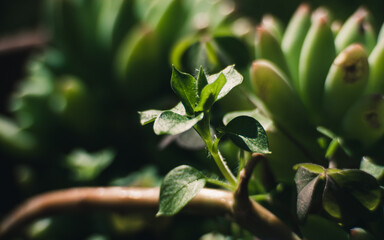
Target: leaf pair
[[337, 187], [197, 97]]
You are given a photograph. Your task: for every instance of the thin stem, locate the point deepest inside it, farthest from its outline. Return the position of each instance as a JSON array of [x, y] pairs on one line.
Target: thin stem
[[224, 169], [245, 209], [221, 184], [204, 130]]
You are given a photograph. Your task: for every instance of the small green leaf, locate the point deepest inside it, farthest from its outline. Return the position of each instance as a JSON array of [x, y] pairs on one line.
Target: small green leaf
[[86, 166], [314, 168], [209, 94], [172, 123], [332, 148], [306, 182], [368, 166], [179, 187], [363, 186], [248, 134], [185, 87], [318, 228], [149, 116], [233, 77]]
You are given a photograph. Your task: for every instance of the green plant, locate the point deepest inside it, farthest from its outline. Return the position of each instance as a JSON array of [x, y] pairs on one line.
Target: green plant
[[300, 153]]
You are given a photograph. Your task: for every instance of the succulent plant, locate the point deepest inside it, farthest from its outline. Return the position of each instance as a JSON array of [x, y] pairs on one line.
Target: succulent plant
[[320, 84], [323, 77]]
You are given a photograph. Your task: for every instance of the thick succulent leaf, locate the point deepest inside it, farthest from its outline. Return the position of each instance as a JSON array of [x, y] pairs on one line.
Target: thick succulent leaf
[[363, 186], [294, 36], [172, 123], [179, 187], [209, 94], [317, 55], [318, 228], [233, 77], [185, 87], [248, 134], [268, 48]]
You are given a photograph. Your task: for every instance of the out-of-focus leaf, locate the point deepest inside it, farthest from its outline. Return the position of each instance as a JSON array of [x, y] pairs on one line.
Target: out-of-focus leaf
[[318, 228], [87, 166]]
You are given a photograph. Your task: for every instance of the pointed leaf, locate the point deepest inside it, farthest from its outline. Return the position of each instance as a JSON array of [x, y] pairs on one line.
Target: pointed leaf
[[185, 87], [233, 77], [209, 94], [202, 81], [172, 123], [149, 116], [304, 198], [248, 134], [179, 187], [306, 182]]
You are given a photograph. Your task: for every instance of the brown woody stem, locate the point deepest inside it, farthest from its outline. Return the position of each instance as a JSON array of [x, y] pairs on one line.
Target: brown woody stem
[[251, 215], [23, 40], [213, 202]]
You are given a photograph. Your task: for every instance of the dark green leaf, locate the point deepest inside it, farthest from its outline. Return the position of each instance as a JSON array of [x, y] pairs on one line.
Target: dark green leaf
[[306, 182], [264, 121], [318, 228], [248, 134], [185, 87], [172, 123], [363, 186], [179, 186], [209, 94], [331, 199], [233, 79], [368, 166]]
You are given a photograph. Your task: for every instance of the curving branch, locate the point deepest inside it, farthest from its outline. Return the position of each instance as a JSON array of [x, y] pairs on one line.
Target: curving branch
[[27, 39], [250, 215]]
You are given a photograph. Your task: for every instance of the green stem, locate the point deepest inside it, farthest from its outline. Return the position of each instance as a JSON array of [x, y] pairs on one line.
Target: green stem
[[204, 130], [221, 184], [224, 169]]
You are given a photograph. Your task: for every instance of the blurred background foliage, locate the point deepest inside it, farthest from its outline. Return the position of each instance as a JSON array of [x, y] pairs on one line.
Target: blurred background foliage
[[69, 101]]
